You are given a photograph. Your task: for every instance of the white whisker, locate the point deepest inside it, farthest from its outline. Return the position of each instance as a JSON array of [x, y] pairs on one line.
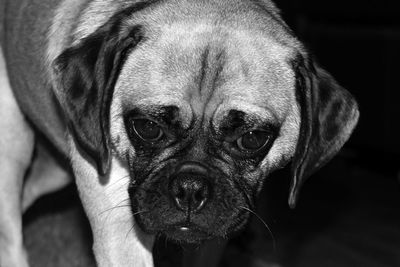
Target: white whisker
[[265, 224]]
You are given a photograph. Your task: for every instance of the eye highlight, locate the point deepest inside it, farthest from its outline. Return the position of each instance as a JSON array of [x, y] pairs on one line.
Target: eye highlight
[[147, 130], [253, 141]]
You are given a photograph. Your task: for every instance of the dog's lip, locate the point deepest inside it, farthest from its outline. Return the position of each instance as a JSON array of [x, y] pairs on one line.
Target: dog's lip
[[184, 228], [187, 229]]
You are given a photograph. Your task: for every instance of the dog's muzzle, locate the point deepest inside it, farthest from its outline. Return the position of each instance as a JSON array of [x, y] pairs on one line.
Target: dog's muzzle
[[189, 202]]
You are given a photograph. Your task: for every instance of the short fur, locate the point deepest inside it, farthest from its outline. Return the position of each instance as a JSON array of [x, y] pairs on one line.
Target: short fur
[[206, 73]]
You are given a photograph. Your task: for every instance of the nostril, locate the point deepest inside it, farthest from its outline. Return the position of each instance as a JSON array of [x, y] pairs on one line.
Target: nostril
[[200, 195], [189, 191], [199, 199], [180, 194]]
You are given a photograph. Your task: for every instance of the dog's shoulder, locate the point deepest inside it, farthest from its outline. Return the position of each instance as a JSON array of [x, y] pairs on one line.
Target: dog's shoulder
[[24, 41]]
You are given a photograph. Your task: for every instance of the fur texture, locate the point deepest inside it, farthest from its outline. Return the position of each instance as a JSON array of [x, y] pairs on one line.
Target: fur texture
[[223, 88]]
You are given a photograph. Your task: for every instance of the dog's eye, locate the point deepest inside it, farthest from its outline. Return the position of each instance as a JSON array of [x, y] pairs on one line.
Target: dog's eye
[[253, 141], [147, 130]]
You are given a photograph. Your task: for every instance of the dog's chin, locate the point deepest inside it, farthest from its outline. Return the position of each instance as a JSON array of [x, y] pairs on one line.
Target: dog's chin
[[189, 233], [182, 233], [186, 234]]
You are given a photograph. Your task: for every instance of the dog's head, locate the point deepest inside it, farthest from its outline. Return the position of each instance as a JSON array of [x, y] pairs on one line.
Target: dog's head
[[202, 101]]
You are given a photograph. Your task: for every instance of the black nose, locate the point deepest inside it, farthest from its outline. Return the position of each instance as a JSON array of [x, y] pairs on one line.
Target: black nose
[[189, 191]]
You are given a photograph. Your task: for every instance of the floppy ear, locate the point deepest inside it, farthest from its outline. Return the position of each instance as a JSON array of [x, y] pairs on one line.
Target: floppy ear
[[329, 114], [86, 74]]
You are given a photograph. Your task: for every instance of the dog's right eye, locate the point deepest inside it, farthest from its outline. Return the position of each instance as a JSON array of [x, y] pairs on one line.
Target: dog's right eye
[[147, 130]]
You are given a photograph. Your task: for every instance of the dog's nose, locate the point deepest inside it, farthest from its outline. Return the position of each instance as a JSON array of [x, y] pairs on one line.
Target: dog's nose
[[189, 191]]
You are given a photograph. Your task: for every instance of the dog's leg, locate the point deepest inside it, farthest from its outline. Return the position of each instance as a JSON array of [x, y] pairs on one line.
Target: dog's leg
[[46, 176], [16, 148], [117, 240]]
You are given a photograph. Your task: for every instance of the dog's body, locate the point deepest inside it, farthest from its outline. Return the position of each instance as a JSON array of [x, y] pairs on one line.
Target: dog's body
[[24, 47], [172, 112]]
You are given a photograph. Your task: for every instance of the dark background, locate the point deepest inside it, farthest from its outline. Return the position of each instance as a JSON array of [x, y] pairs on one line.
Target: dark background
[[358, 43], [348, 213]]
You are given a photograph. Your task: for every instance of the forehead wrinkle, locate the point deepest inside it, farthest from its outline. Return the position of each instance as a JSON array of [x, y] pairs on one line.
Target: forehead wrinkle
[[208, 77], [193, 67], [203, 67], [185, 114], [154, 103], [212, 63], [261, 114]]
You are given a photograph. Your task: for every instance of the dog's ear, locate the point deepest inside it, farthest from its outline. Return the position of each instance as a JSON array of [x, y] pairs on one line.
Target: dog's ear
[[86, 74], [329, 114]]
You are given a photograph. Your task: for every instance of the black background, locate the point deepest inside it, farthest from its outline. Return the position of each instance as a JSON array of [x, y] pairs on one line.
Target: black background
[[358, 43]]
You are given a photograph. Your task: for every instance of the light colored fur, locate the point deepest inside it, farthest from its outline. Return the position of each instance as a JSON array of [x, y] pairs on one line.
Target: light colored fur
[[178, 32], [117, 241], [76, 19], [267, 92], [64, 22], [17, 143], [46, 176], [16, 149]]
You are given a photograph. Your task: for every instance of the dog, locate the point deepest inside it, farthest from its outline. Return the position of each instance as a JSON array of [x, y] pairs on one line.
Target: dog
[[170, 114]]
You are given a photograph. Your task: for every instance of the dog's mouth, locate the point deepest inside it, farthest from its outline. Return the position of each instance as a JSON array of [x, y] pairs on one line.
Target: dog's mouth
[[179, 229], [186, 233]]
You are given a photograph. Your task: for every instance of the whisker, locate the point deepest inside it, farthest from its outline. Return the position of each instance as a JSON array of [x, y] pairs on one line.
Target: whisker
[[139, 212], [117, 206], [265, 224], [119, 179], [247, 198], [134, 223], [120, 206]]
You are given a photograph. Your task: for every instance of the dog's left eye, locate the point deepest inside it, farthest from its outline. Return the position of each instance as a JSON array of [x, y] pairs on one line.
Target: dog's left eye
[[147, 130], [253, 141]]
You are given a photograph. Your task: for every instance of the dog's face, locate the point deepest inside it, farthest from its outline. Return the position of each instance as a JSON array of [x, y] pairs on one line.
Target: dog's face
[[205, 117], [201, 108]]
